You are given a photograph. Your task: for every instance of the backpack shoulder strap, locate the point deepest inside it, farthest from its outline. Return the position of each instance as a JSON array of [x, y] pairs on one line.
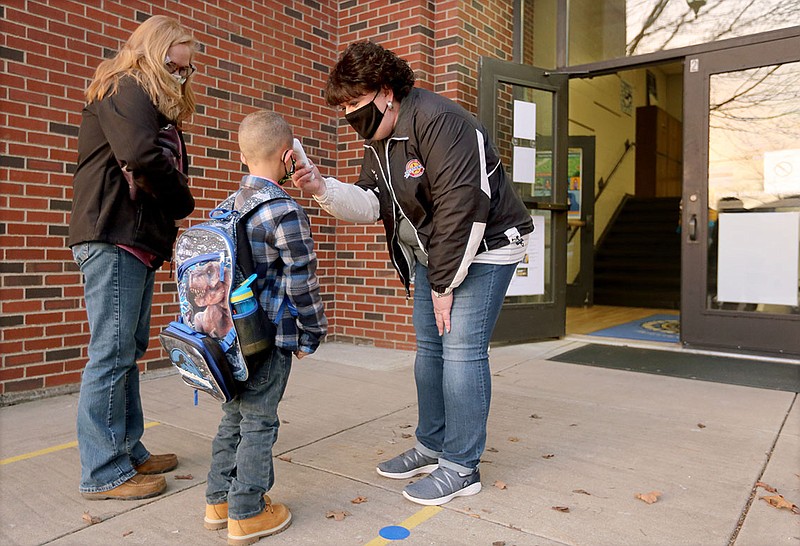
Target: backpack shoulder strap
[[246, 201]]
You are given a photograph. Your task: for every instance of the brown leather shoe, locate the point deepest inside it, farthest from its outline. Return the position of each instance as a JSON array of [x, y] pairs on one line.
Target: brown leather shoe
[[158, 464], [274, 519], [138, 487], [217, 515]]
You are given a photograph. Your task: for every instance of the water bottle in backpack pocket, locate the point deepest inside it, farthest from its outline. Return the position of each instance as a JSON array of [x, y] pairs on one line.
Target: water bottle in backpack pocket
[[256, 333]]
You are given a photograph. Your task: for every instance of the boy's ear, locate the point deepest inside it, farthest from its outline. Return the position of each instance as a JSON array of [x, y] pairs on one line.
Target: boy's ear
[[242, 158]]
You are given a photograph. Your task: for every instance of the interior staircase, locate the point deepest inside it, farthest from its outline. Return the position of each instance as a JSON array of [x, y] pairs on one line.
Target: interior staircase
[[638, 261]]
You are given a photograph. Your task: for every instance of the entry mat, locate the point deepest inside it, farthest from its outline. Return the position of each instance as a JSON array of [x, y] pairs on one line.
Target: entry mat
[[665, 328], [719, 369]]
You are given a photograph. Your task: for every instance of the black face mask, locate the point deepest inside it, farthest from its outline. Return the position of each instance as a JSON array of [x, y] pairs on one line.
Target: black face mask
[[366, 119]]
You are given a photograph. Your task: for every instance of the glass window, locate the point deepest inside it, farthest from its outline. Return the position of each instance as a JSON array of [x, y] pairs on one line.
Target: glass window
[[539, 32], [524, 128], [600, 30], [754, 190]]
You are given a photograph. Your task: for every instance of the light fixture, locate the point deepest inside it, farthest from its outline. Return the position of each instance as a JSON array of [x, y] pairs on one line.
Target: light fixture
[[696, 5]]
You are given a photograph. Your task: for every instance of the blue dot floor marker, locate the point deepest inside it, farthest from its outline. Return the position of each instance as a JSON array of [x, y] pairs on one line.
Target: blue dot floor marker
[[394, 532]]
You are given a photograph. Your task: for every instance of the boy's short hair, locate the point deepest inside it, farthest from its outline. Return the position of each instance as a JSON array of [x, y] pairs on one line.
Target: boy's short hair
[[262, 134]]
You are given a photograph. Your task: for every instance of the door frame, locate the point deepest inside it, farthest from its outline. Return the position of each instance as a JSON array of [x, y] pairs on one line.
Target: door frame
[[581, 292], [522, 322], [700, 326]]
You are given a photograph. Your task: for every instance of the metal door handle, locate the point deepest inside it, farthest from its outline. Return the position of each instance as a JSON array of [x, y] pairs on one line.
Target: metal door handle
[[693, 228]]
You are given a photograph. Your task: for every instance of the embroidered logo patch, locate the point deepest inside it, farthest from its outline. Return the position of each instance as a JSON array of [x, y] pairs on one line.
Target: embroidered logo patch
[[414, 169]]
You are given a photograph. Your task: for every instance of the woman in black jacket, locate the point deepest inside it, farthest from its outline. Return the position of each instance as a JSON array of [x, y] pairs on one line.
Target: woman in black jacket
[[455, 226], [129, 190]]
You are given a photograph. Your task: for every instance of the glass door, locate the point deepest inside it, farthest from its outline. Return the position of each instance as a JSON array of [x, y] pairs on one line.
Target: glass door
[[741, 199], [525, 110]]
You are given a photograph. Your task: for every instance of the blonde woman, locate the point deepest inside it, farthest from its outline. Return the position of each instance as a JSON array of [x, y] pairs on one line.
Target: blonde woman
[[130, 188]]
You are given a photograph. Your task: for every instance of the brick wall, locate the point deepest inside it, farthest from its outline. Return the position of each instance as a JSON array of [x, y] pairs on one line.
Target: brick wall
[[254, 54]]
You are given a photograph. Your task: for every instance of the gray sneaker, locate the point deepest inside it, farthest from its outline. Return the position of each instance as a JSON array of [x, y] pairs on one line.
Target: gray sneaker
[[407, 465], [443, 485]]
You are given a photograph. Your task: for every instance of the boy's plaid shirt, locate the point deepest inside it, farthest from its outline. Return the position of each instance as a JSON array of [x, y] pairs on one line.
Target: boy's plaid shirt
[[283, 252]]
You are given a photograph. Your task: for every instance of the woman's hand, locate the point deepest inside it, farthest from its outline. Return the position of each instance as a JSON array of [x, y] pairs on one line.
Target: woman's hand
[[301, 354], [441, 310], [308, 180]]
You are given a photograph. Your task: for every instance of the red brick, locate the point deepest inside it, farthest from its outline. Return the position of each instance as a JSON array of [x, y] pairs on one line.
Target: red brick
[[23, 385]]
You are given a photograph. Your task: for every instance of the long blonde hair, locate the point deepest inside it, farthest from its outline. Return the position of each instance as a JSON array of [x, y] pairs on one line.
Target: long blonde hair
[[142, 57]]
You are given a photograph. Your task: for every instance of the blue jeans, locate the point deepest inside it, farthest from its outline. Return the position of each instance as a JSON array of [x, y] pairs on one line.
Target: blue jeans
[[241, 453], [454, 387], [118, 289]]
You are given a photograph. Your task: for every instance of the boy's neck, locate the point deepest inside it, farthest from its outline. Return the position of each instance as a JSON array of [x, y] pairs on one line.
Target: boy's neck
[[263, 176]]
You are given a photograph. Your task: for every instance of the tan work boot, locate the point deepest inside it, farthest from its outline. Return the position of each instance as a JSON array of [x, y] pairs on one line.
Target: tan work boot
[[217, 515], [158, 464], [138, 487], [274, 519]]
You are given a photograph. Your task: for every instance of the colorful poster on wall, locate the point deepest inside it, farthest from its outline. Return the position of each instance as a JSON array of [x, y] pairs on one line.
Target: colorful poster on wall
[[574, 170], [543, 185]]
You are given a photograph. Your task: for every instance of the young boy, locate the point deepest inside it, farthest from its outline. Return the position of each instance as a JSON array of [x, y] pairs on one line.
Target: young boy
[[280, 237]]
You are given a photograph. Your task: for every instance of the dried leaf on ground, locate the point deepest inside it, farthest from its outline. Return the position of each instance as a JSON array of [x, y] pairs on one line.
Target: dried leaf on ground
[[499, 543], [405, 435], [285, 458], [500, 485], [581, 491], [337, 515], [184, 477], [379, 452], [534, 416], [700, 425], [406, 426], [126, 533], [766, 486], [548, 455], [650, 497], [513, 439], [90, 519], [560, 508], [359, 500], [779, 502], [492, 449]]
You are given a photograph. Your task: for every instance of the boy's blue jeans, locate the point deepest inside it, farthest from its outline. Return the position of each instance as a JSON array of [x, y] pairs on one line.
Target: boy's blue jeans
[[241, 453], [454, 387], [118, 289]]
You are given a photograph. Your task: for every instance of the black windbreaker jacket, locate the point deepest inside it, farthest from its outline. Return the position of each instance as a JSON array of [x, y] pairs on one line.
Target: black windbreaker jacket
[[445, 176], [124, 126]]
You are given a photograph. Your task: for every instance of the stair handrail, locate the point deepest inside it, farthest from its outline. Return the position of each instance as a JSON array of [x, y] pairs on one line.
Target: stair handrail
[[603, 183]]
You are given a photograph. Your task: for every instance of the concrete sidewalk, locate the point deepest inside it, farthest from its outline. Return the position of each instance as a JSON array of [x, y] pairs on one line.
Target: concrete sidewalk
[[560, 435]]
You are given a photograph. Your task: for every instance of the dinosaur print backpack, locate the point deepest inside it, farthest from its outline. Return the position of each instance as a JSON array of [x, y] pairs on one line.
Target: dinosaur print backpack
[[212, 260]]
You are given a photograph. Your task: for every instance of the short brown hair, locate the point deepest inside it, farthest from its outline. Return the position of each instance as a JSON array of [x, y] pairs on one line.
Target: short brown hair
[[366, 67]]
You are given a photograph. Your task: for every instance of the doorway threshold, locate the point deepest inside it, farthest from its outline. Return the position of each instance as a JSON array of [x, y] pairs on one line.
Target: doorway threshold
[[677, 347], [671, 359]]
